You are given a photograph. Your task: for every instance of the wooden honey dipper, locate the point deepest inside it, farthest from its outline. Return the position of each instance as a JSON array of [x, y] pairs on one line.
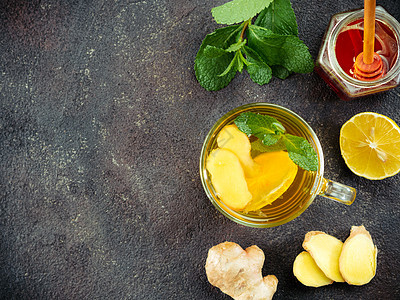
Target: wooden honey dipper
[[368, 65]]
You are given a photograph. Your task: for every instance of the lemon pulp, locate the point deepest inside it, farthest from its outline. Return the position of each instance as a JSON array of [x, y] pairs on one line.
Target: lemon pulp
[[370, 145]]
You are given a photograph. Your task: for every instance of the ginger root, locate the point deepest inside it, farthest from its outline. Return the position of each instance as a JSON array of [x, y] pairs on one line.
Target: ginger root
[[307, 272], [353, 262], [357, 261], [237, 272], [228, 178], [231, 138], [325, 250]]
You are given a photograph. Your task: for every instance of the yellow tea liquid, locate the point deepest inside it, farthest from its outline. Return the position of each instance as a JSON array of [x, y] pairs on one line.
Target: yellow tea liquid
[[295, 196], [299, 195]]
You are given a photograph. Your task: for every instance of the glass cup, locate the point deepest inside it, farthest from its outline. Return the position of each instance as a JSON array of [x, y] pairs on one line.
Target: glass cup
[[329, 68], [306, 186]]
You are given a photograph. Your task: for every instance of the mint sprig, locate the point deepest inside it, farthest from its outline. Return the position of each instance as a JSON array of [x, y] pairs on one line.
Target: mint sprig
[[273, 137], [270, 47]]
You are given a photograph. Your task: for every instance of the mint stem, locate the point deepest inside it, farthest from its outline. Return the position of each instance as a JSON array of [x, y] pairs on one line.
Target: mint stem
[[244, 29]]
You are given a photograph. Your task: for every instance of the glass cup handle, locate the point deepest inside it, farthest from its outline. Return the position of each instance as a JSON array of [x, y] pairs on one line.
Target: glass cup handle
[[338, 192]]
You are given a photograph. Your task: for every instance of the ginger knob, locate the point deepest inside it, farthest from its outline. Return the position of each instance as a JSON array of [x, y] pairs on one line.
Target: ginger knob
[[237, 272], [357, 261]]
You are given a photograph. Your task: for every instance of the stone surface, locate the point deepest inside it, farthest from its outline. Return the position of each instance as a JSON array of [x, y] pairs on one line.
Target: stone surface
[[101, 126]]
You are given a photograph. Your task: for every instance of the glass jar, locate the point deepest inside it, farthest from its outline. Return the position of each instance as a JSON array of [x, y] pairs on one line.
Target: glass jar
[[329, 68]]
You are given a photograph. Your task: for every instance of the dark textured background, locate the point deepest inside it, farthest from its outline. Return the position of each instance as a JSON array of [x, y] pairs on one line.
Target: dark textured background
[[101, 125]]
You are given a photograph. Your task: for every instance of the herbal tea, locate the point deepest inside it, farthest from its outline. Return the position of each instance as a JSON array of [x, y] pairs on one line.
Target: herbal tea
[[260, 165]]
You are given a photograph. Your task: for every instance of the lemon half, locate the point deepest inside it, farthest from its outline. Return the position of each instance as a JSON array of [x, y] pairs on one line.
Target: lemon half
[[370, 145]]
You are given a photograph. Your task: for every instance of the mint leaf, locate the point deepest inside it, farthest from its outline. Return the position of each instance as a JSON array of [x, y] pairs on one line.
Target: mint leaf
[[259, 71], [242, 58], [285, 50], [238, 10], [301, 152], [266, 128], [240, 61], [208, 68], [257, 147], [213, 52], [280, 72], [207, 71], [278, 17], [272, 137], [232, 67], [236, 46]]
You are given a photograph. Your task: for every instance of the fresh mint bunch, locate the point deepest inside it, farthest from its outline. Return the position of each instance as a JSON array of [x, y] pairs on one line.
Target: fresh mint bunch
[[272, 136], [269, 47]]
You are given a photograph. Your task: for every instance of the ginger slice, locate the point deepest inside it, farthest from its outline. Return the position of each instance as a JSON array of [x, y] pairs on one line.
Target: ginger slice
[[357, 261], [231, 138], [237, 272], [307, 272], [325, 250], [228, 178]]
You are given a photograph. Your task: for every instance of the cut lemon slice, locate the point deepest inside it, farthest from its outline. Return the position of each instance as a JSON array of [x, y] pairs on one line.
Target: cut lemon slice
[[370, 145], [277, 172]]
